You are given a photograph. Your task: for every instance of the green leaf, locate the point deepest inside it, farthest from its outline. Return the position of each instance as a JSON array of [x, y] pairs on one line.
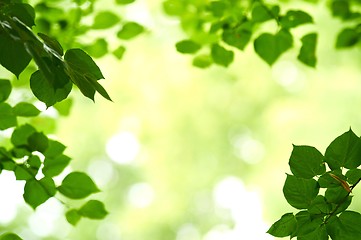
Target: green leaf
[[93, 209], [24, 12], [10, 48], [55, 166], [21, 134], [130, 30], [124, 1], [348, 37], [336, 195], [34, 162], [344, 151], [5, 89], [320, 233], [300, 192], [20, 152], [326, 181], [119, 52], [307, 223], [238, 37], [52, 43], [10, 236], [7, 116], [25, 109], [319, 205], [202, 61], [353, 175], [270, 47], [84, 72], [72, 216], [340, 207], [77, 185], [284, 227], [306, 162], [105, 19], [54, 149], [98, 48], [262, 13], [36, 192], [221, 56], [345, 227], [174, 7], [217, 8], [340, 8], [22, 172], [295, 18], [64, 106], [46, 92], [38, 141], [187, 46], [307, 53]]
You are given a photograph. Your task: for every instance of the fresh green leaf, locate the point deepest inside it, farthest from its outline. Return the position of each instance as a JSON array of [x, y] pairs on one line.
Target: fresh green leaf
[[284, 227], [34, 162], [187, 46], [36, 192], [295, 18], [5, 89], [54, 166], [21, 134], [217, 8], [307, 53], [341, 8], [52, 43], [300, 192], [270, 47], [93, 209], [348, 37], [105, 19], [238, 37], [174, 7], [306, 162], [10, 236], [7, 116], [98, 48], [202, 61], [262, 13], [72, 216], [124, 1], [64, 106], [119, 52], [25, 109], [353, 175], [344, 151], [54, 149], [38, 142], [22, 172], [77, 185], [221, 56], [130, 30]]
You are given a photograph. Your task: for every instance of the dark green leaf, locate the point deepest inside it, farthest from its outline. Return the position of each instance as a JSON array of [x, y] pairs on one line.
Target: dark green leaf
[[130, 30], [105, 19], [24, 12], [217, 8], [119, 52], [38, 142], [72, 216], [284, 227], [21, 134], [341, 8], [344, 151], [326, 181], [20, 152], [336, 194], [25, 109], [7, 116], [348, 37], [93, 209], [187, 46], [221, 56], [22, 172], [320, 233], [5, 89], [36, 192], [340, 207], [307, 53], [238, 37], [270, 47], [345, 227], [52, 43], [306, 162], [77, 185], [34, 161], [319, 205], [202, 61], [10, 48], [300, 192], [295, 18], [54, 149], [353, 175], [307, 223], [98, 48], [54, 166], [10, 236]]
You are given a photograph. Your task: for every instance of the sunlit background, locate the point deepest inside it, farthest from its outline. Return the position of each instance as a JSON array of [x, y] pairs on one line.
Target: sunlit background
[[189, 154]]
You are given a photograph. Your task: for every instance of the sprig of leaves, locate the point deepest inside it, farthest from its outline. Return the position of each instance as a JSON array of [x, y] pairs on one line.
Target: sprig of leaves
[[322, 215]]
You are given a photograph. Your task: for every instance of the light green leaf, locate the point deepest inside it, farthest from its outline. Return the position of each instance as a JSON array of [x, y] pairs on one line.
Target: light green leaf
[[10, 236], [295, 18], [98, 48], [93, 209], [174, 7], [300, 192], [202, 61], [307, 53], [105, 19], [221, 56], [7, 116], [130, 30], [64, 106], [306, 162], [25, 109], [119, 52], [187, 46], [5, 89], [77, 185], [72, 216], [123, 2], [262, 13], [344, 151], [238, 37], [36, 192], [284, 227]]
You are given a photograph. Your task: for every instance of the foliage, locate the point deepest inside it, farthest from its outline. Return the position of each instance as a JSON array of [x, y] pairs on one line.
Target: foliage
[[322, 214]]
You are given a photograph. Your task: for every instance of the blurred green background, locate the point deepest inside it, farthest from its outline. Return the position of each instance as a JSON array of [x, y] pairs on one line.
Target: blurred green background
[[190, 154]]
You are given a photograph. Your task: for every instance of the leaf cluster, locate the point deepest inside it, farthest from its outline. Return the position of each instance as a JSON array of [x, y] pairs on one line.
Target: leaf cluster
[[322, 215]]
